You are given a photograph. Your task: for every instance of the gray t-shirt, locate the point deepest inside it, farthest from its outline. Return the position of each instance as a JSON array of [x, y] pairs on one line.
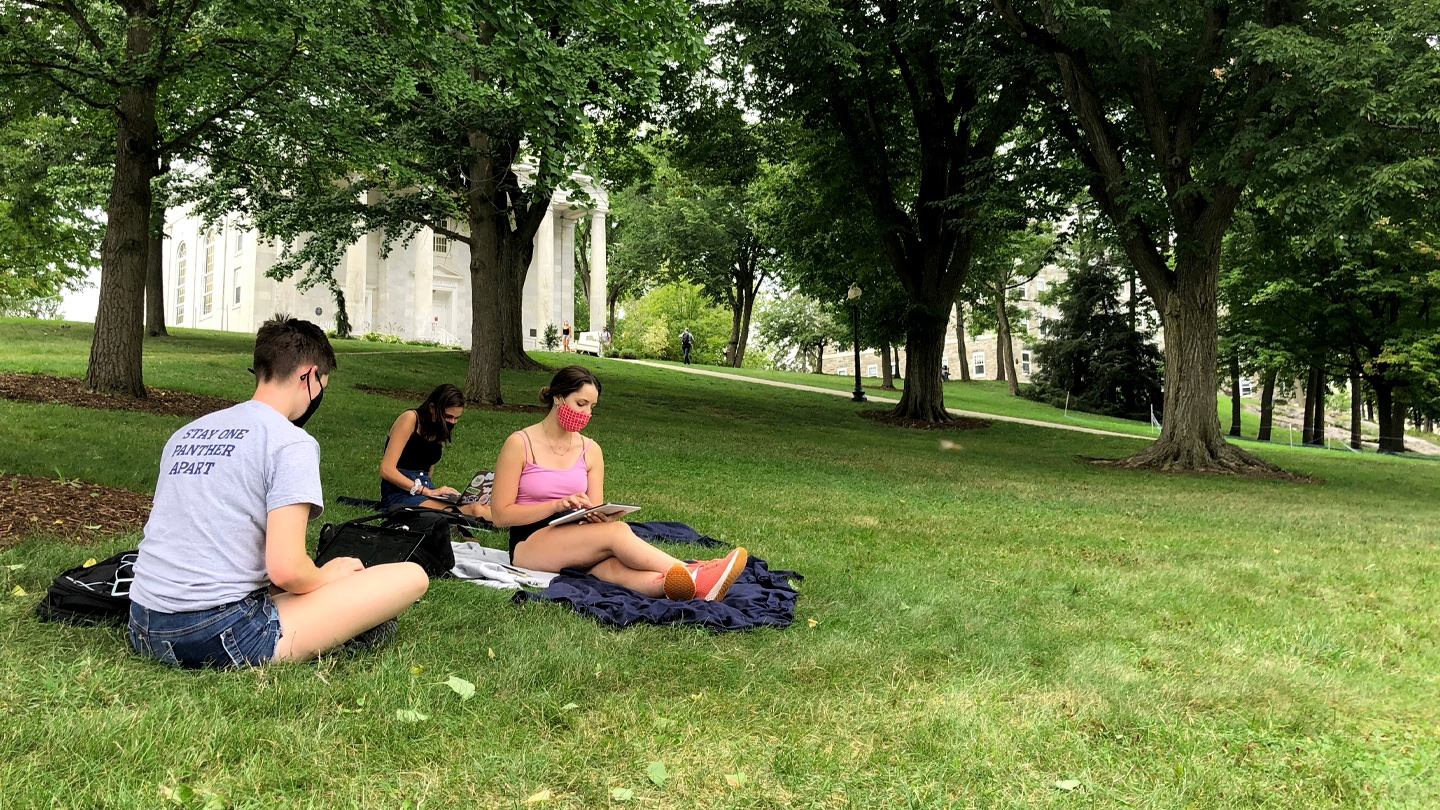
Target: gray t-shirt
[[220, 476]]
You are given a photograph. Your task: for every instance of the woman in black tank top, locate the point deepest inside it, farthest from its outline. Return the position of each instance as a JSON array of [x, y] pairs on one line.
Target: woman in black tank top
[[413, 448]]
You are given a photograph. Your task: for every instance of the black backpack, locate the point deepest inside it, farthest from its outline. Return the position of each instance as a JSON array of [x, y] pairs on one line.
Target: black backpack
[[434, 528], [91, 594]]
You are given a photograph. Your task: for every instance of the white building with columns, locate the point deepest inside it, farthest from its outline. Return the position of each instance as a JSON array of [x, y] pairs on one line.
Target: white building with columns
[[215, 278]]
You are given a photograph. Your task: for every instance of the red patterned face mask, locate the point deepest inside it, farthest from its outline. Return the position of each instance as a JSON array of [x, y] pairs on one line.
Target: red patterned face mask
[[571, 419]]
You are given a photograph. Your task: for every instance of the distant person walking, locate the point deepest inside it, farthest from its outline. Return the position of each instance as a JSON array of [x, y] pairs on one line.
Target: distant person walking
[[604, 340], [686, 341]]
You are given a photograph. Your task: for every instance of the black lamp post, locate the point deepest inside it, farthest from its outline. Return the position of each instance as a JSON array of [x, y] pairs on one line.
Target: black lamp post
[[854, 298]]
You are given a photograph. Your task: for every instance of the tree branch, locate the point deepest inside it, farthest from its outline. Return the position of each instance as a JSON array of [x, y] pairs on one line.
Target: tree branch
[[184, 139]]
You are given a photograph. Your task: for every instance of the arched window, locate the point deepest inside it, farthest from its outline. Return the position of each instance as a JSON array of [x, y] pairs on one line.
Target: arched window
[[207, 284], [181, 265]]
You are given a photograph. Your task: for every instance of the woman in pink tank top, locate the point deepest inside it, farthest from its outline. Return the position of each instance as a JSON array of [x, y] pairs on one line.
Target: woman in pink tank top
[[548, 469]]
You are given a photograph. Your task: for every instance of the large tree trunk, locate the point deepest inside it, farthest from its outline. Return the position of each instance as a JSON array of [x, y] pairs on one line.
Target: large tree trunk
[[1190, 437], [924, 396], [515, 255], [1307, 427], [887, 371], [1267, 406], [1391, 416], [487, 271], [155, 287], [115, 352], [962, 353], [1318, 390], [1007, 346], [1234, 392], [732, 346], [155, 274], [1002, 337], [820, 358], [745, 328], [1355, 443]]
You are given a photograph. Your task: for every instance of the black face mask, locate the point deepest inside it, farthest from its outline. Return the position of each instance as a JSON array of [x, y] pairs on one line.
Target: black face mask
[[314, 406]]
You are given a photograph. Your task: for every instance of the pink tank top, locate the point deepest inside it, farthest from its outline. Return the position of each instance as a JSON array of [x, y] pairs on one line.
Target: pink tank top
[[541, 484]]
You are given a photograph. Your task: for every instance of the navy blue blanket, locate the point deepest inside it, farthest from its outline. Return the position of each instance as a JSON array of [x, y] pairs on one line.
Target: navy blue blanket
[[759, 598], [674, 532]]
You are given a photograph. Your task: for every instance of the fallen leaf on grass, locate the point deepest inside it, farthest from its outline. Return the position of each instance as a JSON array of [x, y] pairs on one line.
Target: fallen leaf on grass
[[736, 779], [569, 706], [15, 567], [18, 591], [622, 794], [946, 444], [410, 716], [93, 528], [657, 773], [416, 670], [539, 796], [491, 651], [813, 622], [91, 561], [1067, 784], [461, 687]]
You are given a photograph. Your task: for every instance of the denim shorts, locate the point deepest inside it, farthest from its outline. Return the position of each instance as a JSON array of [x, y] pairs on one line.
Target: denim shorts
[[391, 495], [240, 634]]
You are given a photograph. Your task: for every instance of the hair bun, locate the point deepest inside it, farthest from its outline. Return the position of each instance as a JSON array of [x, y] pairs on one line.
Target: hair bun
[[545, 396]]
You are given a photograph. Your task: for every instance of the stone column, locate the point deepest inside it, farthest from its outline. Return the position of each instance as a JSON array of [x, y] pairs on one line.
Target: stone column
[[567, 273], [356, 260], [598, 308], [424, 285], [543, 267]]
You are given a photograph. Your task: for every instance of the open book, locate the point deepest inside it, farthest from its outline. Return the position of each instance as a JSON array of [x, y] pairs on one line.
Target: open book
[[606, 508]]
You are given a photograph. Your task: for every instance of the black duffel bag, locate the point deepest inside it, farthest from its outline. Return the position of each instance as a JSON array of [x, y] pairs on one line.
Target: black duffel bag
[[414, 533]]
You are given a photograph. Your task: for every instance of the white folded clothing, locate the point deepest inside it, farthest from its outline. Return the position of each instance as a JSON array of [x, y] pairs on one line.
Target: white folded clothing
[[491, 567]]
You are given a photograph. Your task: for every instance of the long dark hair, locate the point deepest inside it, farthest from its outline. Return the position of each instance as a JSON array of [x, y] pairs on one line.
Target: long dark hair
[[567, 381], [431, 413]]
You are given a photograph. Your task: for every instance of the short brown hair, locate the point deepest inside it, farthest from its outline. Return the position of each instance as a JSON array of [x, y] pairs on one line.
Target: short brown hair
[[284, 344]]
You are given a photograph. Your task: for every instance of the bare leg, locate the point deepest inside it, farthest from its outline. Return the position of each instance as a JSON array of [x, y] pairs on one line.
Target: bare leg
[[649, 583], [311, 623], [627, 557]]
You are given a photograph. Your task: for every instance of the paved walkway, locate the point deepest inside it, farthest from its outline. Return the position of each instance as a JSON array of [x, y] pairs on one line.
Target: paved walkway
[[834, 392]]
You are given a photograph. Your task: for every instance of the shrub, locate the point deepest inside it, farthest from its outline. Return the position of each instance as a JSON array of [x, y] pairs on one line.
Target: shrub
[[551, 339]]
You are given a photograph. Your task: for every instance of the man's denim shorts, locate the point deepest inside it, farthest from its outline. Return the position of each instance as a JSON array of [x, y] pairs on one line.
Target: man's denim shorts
[[240, 634]]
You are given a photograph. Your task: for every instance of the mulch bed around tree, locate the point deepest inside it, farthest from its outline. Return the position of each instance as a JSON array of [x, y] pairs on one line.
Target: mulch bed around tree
[[71, 391], [417, 397], [72, 509], [955, 423]]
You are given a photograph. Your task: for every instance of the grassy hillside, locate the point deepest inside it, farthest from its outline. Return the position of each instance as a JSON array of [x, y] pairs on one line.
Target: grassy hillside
[[974, 625]]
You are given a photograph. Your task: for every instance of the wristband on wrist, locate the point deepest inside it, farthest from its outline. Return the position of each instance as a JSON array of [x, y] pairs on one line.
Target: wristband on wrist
[[415, 487]]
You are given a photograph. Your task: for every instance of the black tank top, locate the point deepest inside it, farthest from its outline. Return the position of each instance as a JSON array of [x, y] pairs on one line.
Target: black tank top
[[419, 453]]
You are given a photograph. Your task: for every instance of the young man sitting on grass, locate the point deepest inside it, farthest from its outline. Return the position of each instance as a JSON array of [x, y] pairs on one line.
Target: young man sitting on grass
[[223, 578]]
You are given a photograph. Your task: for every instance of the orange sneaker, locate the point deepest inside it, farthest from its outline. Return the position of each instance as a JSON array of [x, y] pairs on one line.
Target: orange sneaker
[[714, 577], [679, 583]]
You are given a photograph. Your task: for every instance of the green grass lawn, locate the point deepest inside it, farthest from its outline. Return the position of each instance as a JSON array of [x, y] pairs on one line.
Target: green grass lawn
[[985, 396], [974, 626]]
